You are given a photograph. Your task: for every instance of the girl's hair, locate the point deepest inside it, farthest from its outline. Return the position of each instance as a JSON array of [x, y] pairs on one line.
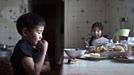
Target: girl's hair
[[29, 21], [98, 25]]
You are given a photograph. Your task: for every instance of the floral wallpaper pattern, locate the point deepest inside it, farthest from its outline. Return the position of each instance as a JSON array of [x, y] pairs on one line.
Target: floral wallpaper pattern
[[10, 10]]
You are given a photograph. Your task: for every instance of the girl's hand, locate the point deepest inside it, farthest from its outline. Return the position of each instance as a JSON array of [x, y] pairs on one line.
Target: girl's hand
[[42, 45], [86, 45]]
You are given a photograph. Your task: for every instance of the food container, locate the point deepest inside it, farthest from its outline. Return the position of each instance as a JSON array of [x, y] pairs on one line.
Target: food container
[[74, 52]]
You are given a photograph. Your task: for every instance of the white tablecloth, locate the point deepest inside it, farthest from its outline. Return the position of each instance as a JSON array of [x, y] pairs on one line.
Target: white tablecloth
[[101, 67]]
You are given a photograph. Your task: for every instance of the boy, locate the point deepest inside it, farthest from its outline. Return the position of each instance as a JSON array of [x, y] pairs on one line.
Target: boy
[[30, 52]]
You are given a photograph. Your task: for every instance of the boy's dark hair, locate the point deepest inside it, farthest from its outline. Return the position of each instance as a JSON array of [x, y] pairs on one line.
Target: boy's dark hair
[[29, 21], [98, 24]]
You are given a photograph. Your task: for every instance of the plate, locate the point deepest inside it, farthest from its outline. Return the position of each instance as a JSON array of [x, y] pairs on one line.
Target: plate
[[91, 58], [129, 60]]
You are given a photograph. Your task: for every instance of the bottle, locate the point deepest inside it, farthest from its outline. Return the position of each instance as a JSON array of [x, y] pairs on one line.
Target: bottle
[[110, 44], [125, 44]]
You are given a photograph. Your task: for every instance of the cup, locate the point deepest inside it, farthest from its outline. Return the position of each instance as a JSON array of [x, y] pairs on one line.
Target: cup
[[131, 49]]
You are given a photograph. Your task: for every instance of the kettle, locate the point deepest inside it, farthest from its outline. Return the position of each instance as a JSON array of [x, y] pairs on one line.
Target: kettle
[[3, 46]]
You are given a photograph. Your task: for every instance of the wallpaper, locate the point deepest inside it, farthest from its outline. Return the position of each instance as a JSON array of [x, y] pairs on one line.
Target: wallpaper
[[10, 10], [81, 14]]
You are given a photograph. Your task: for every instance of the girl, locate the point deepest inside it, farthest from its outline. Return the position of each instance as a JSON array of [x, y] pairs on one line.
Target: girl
[[96, 38]]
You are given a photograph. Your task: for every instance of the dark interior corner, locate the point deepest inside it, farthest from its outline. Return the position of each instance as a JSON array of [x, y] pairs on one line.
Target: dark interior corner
[[53, 13]]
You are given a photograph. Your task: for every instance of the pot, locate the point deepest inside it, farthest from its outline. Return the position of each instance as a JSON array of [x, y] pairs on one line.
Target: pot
[[5, 53]]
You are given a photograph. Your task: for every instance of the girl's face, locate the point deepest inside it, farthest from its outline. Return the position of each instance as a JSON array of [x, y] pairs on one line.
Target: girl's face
[[35, 35], [96, 32]]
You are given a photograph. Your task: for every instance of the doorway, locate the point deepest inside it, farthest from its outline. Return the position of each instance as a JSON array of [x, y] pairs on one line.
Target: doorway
[[53, 13]]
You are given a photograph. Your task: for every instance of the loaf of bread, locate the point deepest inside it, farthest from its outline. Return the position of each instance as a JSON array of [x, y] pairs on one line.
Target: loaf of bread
[[119, 48], [95, 55]]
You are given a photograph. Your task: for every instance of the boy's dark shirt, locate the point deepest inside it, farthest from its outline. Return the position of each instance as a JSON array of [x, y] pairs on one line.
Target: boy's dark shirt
[[23, 49]]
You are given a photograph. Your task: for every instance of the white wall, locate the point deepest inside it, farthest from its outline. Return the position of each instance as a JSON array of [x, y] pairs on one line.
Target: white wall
[[81, 14], [10, 10]]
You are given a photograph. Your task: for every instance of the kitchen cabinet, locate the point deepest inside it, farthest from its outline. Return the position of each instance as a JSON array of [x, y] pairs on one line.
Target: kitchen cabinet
[[5, 64]]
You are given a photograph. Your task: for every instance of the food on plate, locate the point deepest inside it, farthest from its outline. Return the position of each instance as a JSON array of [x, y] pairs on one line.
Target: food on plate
[[122, 55], [119, 48], [94, 55], [101, 48], [71, 61], [110, 49]]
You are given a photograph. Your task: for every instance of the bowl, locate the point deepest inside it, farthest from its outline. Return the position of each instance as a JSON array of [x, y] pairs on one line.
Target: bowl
[[74, 52]]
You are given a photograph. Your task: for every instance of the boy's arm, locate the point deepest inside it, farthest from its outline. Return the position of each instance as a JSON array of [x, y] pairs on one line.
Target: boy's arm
[[46, 68], [35, 68]]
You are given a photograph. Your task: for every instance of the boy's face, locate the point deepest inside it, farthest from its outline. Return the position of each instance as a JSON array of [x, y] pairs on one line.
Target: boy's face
[[35, 35], [96, 32]]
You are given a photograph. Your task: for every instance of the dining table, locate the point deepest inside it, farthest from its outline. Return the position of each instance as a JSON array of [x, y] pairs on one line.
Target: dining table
[[97, 67]]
